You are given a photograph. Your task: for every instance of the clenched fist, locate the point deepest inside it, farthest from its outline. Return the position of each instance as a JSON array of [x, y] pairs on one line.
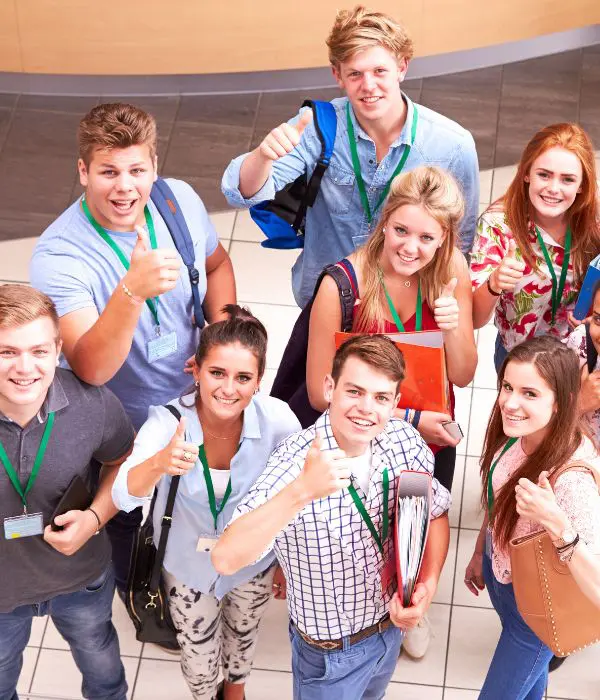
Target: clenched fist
[[505, 277], [151, 272], [284, 138], [324, 473], [179, 456]]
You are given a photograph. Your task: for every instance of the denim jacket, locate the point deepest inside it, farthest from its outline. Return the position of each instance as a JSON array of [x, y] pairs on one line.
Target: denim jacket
[[337, 224]]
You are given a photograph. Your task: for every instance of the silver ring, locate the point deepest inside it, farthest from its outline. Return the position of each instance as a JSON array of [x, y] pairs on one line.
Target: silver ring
[[277, 586], [187, 456]]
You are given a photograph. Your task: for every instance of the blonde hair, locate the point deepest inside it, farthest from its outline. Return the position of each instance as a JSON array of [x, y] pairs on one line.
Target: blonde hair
[[438, 193], [116, 125], [20, 305], [359, 29]]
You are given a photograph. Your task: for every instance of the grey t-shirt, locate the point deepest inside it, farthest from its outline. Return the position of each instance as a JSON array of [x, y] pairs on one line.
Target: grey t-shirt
[[89, 424]]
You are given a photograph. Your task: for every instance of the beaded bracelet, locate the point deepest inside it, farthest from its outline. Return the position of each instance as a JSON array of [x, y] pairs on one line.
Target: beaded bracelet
[[136, 300]]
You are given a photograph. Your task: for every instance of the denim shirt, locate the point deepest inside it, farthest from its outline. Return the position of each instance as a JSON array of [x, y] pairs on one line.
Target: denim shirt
[[266, 422], [337, 223]]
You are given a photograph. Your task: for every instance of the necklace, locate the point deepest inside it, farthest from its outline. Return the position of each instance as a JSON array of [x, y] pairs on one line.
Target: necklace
[[219, 437], [406, 283]]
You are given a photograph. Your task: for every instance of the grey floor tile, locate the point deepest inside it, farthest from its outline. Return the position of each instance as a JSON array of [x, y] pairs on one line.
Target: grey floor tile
[[6, 116], [22, 224], [413, 89], [162, 107], [472, 99], [535, 93], [8, 100], [58, 103], [230, 110], [589, 108]]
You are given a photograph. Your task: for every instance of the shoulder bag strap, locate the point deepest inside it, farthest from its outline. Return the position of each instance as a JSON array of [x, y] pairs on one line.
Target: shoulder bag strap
[[574, 466], [590, 350], [166, 520]]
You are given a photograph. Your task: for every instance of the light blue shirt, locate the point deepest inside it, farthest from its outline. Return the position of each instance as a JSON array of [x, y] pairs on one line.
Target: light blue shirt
[[77, 270], [337, 223], [267, 421]]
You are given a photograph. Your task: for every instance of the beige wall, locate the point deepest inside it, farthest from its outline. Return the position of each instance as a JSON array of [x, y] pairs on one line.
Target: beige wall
[[128, 37]]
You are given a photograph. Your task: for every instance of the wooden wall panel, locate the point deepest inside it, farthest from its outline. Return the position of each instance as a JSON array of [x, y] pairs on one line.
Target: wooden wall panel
[[10, 50], [130, 37]]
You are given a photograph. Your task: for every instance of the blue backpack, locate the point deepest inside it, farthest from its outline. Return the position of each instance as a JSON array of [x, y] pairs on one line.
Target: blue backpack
[[282, 218], [168, 207]]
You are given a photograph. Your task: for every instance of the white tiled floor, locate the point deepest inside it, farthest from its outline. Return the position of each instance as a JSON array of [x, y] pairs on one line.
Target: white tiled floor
[[465, 628]]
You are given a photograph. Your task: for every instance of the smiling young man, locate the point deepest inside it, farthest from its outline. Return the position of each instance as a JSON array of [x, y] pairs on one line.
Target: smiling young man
[[52, 429], [380, 132], [111, 267], [320, 505]]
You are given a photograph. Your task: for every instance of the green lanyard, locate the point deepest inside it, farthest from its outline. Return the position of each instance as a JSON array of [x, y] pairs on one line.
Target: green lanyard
[[418, 309], [356, 163], [212, 502], [490, 489], [39, 458], [557, 288], [152, 303], [360, 506]]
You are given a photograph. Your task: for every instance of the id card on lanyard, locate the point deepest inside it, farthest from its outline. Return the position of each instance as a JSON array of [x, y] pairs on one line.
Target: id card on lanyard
[[162, 345], [379, 539], [27, 524], [205, 544]]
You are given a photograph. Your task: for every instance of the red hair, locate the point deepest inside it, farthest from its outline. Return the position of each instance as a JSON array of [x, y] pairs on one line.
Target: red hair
[[583, 215]]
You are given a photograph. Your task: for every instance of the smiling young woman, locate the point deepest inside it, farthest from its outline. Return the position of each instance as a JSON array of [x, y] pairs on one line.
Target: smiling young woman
[[534, 244]]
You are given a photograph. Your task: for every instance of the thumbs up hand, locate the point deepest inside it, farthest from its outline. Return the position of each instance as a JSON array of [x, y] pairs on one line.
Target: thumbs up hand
[[324, 472], [179, 456], [151, 272], [284, 138], [445, 308], [537, 502], [505, 277]]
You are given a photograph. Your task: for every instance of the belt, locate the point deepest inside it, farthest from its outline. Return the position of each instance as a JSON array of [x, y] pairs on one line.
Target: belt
[[337, 644]]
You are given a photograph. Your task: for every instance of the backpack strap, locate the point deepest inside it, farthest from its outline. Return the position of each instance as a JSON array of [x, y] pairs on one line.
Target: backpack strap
[[168, 207], [166, 519], [345, 278], [325, 121], [590, 350]]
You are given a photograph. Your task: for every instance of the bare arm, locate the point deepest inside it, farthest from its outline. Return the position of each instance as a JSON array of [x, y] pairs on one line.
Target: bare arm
[[484, 304], [459, 343], [220, 284], [325, 321]]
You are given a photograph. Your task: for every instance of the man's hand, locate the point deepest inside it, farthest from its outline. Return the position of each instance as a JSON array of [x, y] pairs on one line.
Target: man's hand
[[407, 618], [151, 272], [179, 456], [589, 397], [79, 526], [324, 473], [505, 277], [284, 138], [190, 364]]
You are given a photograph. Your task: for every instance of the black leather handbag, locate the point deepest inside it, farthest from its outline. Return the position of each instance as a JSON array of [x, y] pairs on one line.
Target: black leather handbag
[[146, 601]]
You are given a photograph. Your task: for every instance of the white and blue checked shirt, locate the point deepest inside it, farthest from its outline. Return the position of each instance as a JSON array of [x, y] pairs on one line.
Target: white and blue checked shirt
[[331, 562]]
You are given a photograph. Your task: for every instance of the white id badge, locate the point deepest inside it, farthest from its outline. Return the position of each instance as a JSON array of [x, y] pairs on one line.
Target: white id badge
[[205, 544], [162, 346], [27, 525]]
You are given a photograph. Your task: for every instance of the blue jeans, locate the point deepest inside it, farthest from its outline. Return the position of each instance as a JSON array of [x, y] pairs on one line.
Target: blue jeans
[[84, 619], [358, 672], [519, 668], [500, 353]]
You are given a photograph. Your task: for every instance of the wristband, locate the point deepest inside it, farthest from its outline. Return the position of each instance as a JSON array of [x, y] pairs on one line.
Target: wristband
[[416, 419], [136, 300], [97, 518], [490, 290], [406, 415]]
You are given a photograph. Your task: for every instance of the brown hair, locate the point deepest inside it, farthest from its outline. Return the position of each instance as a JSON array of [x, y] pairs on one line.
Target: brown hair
[[359, 29], [378, 351], [115, 125], [20, 304], [439, 194], [558, 366], [583, 215]]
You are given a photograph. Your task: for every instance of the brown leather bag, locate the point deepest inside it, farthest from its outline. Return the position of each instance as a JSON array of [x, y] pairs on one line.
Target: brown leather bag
[[548, 598]]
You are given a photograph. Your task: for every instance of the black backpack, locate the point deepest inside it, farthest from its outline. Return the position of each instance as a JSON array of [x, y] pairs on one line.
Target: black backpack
[[290, 381], [590, 350]]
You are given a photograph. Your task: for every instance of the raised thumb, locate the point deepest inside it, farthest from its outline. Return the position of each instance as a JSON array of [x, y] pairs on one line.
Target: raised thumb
[[305, 119], [180, 432], [543, 482], [142, 242], [317, 442], [512, 249], [448, 289]]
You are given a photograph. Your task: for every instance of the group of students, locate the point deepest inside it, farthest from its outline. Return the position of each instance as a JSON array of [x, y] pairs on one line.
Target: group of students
[[266, 506]]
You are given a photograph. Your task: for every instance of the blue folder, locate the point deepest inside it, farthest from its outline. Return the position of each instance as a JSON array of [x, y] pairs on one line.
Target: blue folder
[[590, 281]]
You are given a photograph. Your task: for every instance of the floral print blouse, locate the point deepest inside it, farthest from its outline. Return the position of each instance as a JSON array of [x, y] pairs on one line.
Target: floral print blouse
[[527, 310]]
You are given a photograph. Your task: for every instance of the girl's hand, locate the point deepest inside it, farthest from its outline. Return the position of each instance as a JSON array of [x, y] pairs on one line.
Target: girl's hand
[[279, 584], [538, 503], [474, 573], [445, 308]]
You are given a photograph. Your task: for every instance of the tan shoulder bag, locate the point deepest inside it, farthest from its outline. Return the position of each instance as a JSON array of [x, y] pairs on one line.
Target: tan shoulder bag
[[548, 598]]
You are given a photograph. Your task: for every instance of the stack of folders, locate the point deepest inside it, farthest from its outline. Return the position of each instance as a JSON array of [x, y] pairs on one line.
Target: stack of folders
[[412, 527], [590, 284]]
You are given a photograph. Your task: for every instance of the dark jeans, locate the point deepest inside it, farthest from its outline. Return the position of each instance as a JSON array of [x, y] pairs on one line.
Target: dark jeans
[[121, 531], [500, 353], [443, 468], [84, 619]]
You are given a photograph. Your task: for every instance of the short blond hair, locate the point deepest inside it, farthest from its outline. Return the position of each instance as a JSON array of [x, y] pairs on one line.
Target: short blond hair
[[115, 125], [359, 29], [20, 305]]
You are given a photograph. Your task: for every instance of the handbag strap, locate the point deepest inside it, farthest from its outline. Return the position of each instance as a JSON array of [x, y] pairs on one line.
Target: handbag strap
[[574, 466], [166, 519]]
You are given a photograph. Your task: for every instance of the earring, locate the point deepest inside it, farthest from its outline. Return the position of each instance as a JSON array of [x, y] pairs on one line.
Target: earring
[[383, 230], [196, 384], [257, 390]]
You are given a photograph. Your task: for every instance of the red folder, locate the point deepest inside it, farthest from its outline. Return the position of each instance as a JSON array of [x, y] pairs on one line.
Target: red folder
[[410, 483], [425, 386]]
